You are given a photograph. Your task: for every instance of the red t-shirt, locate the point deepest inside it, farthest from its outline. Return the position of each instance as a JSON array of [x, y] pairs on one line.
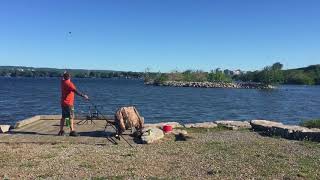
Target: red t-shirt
[[67, 93]]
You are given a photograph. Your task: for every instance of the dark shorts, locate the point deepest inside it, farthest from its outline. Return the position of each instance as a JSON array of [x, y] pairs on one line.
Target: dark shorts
[[67, 112]]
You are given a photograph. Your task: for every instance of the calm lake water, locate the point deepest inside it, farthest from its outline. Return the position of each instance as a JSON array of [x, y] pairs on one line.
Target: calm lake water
[[25, 97]]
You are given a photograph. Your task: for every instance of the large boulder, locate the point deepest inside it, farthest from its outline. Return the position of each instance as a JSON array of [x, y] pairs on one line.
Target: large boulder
[[151, 135], [4, 128], [234, 125], [286, 131], [201, 125]]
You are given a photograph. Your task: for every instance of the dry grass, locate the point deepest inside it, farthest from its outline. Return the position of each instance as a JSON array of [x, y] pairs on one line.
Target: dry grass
[[208, 154]]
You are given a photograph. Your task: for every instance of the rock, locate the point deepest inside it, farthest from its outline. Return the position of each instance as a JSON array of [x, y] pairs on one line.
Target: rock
[[151, 135], [180, 135], [201, 125], [234, 125], [160, 125], [179, 131], [286, 131], [264, 125], [4, 128]]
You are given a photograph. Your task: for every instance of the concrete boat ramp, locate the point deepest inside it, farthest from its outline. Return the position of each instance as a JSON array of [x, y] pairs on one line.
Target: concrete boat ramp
[[49, 125], [44, 129]]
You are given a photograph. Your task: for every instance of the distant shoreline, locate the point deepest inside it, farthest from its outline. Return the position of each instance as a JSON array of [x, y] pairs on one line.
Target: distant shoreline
[[240, 85], [115, 78]]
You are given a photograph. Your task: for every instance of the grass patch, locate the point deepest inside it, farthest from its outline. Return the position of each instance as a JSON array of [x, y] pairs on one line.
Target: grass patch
[[314, 123], [158, 178], [60, 146], [5, 158], [216, 146], [308, 167], [48, 156], [127, 155], [28, 164], [309, 144], [47, 175], [108, 178], [86, 165], [98, 178]]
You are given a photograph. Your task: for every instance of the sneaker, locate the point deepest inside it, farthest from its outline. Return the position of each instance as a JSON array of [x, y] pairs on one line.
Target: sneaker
[[74, 134], [61, 133]]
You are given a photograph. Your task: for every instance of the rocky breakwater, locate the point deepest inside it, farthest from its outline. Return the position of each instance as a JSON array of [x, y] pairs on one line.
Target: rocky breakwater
[[241, 85], [272, 128]]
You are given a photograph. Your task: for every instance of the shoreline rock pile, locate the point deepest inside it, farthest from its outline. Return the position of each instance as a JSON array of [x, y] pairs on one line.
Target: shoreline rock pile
[[292, 132], [265, 127], [234, 125], [201, 125], [248, 85]]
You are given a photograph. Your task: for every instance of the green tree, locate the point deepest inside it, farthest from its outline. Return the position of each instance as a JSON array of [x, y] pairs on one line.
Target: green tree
[[277, 66], [271, 74]]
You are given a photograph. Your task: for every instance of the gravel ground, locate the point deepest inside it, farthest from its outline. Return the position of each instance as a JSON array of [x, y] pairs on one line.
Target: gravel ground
[[208, 154]]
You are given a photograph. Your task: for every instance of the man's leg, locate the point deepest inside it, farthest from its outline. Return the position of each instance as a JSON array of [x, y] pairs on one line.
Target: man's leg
[[63, 113], [71, 125], [61, 123], [71, 114], [72, 130]]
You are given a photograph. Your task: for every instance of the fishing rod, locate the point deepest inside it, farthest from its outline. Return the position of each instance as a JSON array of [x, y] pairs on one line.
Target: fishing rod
[[94, 105]]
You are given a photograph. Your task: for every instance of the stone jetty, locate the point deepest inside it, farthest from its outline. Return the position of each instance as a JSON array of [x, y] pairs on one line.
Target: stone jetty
[[242, 85]]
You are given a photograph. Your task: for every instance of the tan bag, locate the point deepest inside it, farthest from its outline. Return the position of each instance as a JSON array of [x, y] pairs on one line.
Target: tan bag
[[128, 118]]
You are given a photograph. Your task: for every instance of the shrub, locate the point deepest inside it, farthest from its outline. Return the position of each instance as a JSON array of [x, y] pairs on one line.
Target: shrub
[[315, 123], [161, 79], [218, 76], [298, 77]]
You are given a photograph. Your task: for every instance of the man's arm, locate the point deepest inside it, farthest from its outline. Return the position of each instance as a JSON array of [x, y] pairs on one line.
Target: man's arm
[[74, 89], [80, 94]]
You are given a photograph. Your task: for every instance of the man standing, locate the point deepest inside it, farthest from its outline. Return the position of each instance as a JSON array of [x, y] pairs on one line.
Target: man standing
[[68, 90]]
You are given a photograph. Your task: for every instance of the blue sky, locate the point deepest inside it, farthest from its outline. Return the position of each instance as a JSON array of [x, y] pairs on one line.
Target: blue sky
[[163, 35]]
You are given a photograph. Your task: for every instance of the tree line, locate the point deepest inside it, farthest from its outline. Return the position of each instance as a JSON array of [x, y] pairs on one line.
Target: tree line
[[276, 75], [48, 72]]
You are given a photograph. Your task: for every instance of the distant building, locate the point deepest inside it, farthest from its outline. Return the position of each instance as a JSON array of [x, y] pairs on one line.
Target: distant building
[[237, 72]]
